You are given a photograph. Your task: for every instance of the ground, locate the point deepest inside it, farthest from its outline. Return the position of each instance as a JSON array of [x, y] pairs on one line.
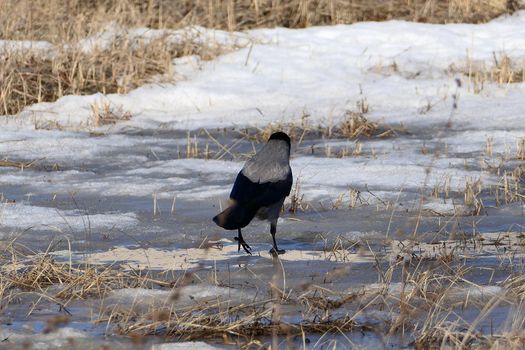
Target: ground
[[404, 226]]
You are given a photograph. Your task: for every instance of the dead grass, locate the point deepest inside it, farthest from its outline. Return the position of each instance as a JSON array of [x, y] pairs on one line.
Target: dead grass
[[206, 144], [297, 202], [472, 196], [106, 114], [19, 165], [418, 291], [62, 282], [30, 77], [509, 190], [421, 306], [503, 71], [207, 321], [353, 126], [58, 20]]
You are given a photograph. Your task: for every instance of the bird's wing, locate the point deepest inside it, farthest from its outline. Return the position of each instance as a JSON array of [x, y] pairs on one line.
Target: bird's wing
[[246, 192]]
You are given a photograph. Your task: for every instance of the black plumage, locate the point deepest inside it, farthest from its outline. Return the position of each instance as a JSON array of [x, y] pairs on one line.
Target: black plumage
[[260, 189]]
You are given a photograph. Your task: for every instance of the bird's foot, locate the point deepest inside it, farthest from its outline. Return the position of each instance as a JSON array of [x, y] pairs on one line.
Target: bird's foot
[[274, 251], [243, 244]]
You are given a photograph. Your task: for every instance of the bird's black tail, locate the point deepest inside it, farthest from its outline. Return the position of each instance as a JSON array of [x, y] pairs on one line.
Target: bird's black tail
[[235, 216]]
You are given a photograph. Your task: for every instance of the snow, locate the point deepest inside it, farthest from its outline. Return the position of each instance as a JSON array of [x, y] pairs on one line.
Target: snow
[[24, 216], [321, 70], [382, 174], [62, 338], [9, 46], [198, 345]]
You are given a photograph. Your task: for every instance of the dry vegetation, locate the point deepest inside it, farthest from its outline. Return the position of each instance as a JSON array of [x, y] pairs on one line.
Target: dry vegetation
[[421, 293], [503, 71], [353, 126], [104, 113], [38, 19], [37, 273], [28, 77]]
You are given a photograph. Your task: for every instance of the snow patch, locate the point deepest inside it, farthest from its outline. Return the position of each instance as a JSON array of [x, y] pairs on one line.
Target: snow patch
[[28, 216], [197, 345], [320, 70]]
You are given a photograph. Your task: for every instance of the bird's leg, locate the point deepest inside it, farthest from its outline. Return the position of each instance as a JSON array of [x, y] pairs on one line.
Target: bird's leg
[[273, 229], [241, 242]]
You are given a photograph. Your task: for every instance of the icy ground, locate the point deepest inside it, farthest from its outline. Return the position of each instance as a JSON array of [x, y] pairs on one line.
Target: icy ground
[[93, 188]]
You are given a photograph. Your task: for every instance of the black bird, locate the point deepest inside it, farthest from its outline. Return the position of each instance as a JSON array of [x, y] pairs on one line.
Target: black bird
[[260, 189]]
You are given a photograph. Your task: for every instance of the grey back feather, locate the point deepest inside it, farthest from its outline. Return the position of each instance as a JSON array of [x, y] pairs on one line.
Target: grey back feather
[[270, 164]]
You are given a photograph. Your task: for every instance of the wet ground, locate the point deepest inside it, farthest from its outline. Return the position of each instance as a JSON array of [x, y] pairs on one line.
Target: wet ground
[[144, 200], [140, 188]]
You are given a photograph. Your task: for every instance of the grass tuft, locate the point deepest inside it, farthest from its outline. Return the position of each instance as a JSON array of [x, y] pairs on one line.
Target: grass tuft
[[30, 77]]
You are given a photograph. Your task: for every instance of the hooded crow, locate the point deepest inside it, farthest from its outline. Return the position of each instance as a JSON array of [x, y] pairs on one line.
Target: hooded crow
[[260, 189]]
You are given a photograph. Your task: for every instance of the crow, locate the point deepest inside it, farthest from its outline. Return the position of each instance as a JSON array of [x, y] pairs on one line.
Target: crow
[[260, 189]]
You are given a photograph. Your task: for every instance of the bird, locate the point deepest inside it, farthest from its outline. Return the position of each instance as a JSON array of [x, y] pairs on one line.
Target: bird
[[259, 190]]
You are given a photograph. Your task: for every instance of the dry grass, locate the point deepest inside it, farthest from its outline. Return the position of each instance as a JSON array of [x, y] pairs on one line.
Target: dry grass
[[422, 306], [58, 20], [104, 113], [61, 282], [19, 165], [503, 71], [297, 202], [353, 126], [206, 144], [352, 198], [510, 190], [222, 321], [30, 77], [422, 302], [506, 165], [472, 196]]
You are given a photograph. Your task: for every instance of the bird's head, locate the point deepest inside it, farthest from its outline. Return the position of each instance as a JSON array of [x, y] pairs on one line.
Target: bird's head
[[280, 136]]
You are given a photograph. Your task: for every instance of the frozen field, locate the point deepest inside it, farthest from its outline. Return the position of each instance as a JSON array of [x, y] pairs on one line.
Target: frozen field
[[405, 227]]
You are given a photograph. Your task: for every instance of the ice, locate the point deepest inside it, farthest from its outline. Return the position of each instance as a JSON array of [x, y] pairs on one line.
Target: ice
[[483, 293], [198, 345], [140, 297], [24, 216], [446, 208], [62, 338]]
